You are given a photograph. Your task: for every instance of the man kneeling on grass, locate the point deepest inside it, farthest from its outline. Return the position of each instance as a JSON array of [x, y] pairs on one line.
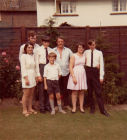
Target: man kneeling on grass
[[52, 72]]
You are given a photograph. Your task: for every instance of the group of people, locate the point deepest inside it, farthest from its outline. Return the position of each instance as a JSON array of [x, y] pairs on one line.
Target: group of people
[[58, 71]]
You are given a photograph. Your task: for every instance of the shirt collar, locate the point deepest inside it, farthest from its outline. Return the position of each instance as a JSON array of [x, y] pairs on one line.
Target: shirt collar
[[44, 47], [53, 64], [93, 50], [57, 49]]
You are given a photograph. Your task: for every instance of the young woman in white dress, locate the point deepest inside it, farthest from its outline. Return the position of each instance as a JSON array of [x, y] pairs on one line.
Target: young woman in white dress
[[28, 73]]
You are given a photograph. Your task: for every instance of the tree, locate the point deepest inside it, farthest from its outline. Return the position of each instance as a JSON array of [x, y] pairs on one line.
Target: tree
[[51, 31], [113, 88]]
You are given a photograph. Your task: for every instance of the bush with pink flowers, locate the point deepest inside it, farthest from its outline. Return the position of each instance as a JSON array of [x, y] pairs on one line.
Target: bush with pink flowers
[[10, 84]]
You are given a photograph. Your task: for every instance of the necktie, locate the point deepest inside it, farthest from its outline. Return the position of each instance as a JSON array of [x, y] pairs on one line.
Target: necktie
[[46, 50], [92, 58]]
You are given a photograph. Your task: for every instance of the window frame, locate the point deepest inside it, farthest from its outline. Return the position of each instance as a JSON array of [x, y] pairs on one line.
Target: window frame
[[65, 3], [59, 8], [118, 6]]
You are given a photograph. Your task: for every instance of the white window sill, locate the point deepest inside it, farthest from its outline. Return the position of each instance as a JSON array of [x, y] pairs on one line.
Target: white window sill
[[58, 14], [119, 13]]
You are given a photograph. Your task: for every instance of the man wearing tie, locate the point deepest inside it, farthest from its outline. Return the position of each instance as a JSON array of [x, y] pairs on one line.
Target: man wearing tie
[[95, 76], [41, 58]]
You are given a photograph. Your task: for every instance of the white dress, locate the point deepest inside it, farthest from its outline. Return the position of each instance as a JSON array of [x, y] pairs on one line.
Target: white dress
[[80, 74], [28, 68]]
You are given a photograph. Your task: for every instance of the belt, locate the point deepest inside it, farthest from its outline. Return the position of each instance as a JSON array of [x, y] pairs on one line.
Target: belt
[[91, 67], [42, 64]]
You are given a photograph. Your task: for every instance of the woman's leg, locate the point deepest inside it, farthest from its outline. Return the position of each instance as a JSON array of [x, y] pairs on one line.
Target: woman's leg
[[58, 97], [31, 95], [81, 100], [25, 100], [74, 100]]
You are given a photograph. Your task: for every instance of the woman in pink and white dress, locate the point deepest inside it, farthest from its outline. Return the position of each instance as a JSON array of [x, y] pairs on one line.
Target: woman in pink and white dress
[[77, 79]]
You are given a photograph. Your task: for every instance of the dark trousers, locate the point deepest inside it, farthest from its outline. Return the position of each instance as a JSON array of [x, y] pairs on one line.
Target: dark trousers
[[94, 84], [63, 89], [43, 96]]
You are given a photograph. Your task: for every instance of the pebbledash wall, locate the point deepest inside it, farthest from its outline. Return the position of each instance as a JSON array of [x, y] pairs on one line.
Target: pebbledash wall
[[88, 12], [116, 36]]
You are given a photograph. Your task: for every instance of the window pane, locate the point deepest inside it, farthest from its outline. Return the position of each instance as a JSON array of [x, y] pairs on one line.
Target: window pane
[[68, 7], [122, 5], [64, 7], [115, 4], [72, 7]]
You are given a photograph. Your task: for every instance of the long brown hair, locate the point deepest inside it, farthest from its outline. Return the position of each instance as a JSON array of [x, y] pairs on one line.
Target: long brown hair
[[25, 47]]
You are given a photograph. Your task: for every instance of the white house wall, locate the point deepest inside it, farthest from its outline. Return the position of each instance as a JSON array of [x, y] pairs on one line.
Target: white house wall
[[90, 12]]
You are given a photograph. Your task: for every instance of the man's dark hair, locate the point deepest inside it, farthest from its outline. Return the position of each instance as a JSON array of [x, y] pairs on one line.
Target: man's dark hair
[[32, 34], [91, 41]]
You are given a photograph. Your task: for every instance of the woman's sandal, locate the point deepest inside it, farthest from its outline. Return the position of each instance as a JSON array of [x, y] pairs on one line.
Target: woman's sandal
[[32, 112], [73, 111], [82, 111], [26, 114]]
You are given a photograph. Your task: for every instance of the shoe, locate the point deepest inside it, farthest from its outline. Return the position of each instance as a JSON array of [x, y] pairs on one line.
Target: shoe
[[42, 111], [62, 111], [32, 112], [73, 111], [56, 108], [48, 109], [82, 111], [68, 108], [26, 114], [105, 113], [53, 112], [92, 111]]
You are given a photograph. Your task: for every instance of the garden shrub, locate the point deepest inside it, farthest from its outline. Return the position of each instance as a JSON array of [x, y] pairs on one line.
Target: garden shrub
[[10, 83]]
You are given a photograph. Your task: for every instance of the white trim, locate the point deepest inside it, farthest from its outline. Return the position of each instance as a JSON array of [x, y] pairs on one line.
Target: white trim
[[55, 7]]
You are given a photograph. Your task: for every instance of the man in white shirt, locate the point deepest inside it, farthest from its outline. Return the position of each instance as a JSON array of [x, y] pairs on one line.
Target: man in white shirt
[[63, 57], [32, 38], [41, 58], [95, 76]]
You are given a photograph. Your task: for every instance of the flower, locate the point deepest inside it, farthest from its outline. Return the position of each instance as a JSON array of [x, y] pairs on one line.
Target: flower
[[17, 67], [6, 60], [18, 81], [4, 53]]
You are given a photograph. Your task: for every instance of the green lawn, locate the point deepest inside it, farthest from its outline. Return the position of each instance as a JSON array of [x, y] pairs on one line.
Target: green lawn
[[14, 126]]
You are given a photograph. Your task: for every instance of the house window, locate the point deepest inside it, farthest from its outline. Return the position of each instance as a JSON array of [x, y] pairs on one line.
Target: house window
[[14, 3], [119, 5], [66, 7]]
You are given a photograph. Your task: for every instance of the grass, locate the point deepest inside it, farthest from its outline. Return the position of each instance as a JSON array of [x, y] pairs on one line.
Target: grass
[[14, 126]]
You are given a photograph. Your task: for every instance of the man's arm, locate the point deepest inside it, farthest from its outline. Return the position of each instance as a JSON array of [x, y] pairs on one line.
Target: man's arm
[[21, 51], [84, 54], [59, 71], [37, 65], [101, 67], [45, 78], [70, 52], [45, 83]]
